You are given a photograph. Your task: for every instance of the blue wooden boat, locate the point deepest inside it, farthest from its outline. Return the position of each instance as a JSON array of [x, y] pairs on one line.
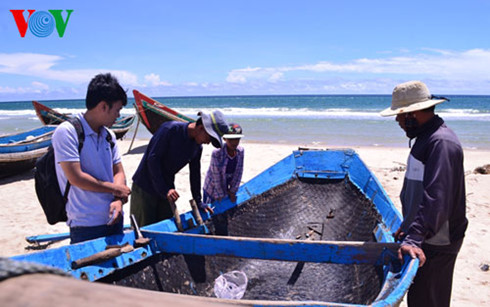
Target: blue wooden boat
[[314, 229], [19, 152]]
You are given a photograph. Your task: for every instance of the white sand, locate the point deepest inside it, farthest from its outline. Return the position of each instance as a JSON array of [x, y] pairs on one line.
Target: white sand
[[22, 215]]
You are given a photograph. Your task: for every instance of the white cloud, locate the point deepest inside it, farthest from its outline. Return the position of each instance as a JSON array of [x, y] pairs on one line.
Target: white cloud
[[9, 90], [40, 85], [276, 77], [154, 80], [236, 76], [36, 87], [43, 66], [434, 63]]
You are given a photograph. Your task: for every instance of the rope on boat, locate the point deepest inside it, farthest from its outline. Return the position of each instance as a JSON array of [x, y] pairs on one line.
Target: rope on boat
[[11, 268]]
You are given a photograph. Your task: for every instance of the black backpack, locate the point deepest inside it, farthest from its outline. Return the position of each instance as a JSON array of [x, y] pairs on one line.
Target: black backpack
[[46, 182]]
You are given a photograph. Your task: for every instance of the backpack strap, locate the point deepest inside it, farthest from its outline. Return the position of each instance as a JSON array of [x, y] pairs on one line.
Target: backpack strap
[[75, 121], [109, 138]]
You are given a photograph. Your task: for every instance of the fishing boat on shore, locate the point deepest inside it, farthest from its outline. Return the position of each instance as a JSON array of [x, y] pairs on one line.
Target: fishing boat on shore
[[153, 113], [19, 151], [315, 229], [48, 116]]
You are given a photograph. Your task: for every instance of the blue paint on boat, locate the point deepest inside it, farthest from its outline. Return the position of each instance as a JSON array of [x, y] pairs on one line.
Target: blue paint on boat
[[319, 164], [26, 141]]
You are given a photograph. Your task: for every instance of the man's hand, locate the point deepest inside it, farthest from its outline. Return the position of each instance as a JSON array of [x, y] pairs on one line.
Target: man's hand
[[414, 252], [172, 195], [115, 212], [206, 208], [121, 190], [399, 234]]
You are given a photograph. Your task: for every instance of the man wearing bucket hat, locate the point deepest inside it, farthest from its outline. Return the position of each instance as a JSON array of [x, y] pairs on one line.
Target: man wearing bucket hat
[[226, 168], [433, 194], [174, 145]]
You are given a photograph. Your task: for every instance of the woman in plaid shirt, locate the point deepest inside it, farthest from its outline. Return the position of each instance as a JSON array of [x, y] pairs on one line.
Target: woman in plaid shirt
[[226, 168]]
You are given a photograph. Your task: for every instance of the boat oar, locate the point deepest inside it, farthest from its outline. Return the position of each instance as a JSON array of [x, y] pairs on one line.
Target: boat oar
[[111, 252]]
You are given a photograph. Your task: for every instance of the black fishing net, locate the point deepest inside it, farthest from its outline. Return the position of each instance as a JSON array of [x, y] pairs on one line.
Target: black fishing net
[[298, 210]]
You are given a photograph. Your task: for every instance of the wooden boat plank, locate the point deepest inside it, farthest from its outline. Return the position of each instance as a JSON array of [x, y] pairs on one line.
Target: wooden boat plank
[[44, 290], [340, 252], [23, 155]]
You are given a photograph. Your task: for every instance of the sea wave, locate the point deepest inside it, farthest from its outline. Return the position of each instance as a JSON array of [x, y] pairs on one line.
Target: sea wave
[[338, 113], [27, 113], [328, 113]]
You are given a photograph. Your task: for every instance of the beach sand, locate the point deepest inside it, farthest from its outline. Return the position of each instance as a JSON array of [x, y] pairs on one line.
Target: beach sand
[[22, 216]]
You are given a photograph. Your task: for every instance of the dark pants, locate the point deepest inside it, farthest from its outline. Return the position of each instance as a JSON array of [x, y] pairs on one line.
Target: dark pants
[[148, 209], [80, 234], [433, 282]]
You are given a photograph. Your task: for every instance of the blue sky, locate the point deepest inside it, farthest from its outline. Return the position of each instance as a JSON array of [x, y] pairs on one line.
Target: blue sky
[[188, 48]]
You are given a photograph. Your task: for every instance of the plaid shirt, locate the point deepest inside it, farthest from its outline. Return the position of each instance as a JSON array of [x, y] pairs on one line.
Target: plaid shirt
[[215, 182]]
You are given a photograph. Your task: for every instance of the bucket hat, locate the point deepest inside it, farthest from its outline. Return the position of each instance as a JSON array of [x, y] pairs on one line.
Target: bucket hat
[[215, 125], [409, 97], [235, 131]]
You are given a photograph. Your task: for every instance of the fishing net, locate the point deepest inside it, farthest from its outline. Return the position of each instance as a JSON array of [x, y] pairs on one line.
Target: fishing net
[[299, 209]]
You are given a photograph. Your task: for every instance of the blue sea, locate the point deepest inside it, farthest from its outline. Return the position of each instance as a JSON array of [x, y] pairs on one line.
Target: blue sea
[[306, 120]]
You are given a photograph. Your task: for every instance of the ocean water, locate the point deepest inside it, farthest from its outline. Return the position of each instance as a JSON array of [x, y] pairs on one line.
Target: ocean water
[[320, 120]]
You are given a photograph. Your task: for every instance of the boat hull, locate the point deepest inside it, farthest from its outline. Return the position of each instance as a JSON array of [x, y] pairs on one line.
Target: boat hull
[[315, 227], [16, 163], [19, 152], [153, 113], [49, 116]]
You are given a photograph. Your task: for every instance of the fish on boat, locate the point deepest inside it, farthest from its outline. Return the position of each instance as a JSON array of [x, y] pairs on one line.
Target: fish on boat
[[153, 113], [315, 228], [48, 116], [19, 151]]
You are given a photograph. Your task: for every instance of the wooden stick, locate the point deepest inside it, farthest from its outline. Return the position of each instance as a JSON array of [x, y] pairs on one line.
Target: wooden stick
[[135, 131], [195, 212], [178, 222], [101, 256]]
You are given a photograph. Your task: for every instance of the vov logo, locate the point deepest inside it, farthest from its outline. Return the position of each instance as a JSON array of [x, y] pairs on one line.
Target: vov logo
[[41, 23]]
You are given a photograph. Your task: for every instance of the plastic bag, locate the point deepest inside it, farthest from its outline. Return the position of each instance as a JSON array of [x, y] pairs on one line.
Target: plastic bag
[[231, 285]]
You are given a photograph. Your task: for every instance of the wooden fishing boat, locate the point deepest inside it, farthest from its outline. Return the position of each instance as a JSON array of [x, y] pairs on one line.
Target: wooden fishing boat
[[19, 151], [49, 116], [153, 113], [122, 126], [315, 229]]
